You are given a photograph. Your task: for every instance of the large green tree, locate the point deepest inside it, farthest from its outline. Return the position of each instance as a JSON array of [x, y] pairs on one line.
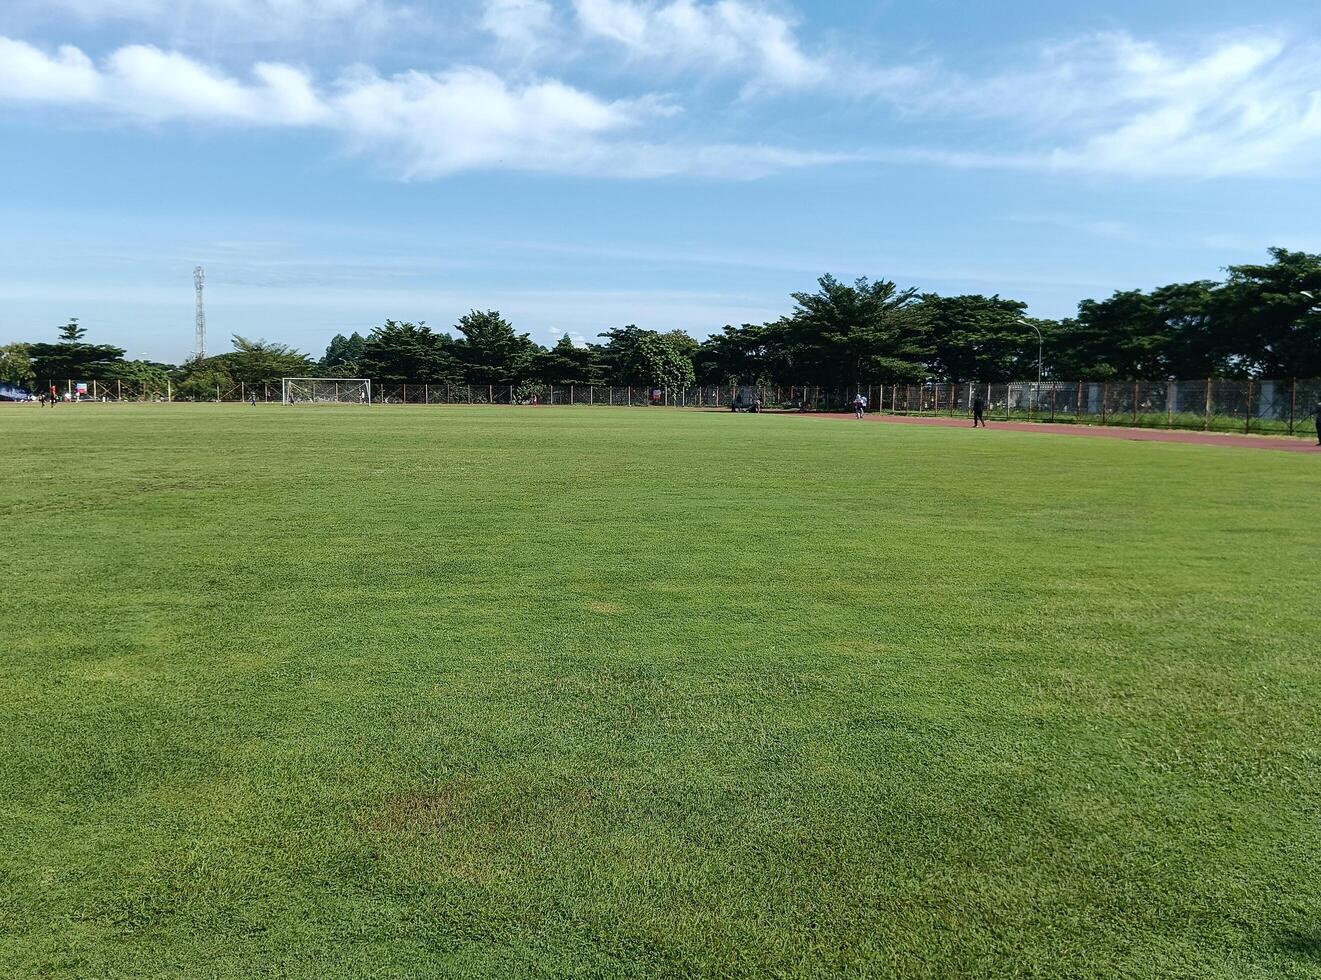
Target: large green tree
[[142, 377], [977, 338], [1135, 335], [1269, 316], [256, 361], [403, 351], [16, 366], [71, 359], [566, 363], [853, 334], [343, 354], [491, 351], [736, 355], [200, 380], [649, 359]]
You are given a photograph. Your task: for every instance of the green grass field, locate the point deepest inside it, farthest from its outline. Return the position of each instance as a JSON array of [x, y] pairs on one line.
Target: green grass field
[[391, 692]]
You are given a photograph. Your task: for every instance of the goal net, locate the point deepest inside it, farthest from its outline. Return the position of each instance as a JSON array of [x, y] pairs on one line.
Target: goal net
[[346, 391]]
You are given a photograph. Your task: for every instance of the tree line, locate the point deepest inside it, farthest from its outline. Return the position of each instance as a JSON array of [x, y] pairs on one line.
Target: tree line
[[1261, 321]]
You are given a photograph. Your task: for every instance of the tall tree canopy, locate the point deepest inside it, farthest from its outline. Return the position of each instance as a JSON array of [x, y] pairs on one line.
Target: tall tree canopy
[[71, 359], [1269, 316], [491, 351], [648, 359], [343, 354], [568, 364], [853, 334], [16, 366], [736, 355], [977, 338], [402, 351], [254, 361]]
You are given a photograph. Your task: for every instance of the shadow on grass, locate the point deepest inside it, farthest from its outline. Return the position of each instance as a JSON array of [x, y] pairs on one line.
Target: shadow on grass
[[1302, 945]]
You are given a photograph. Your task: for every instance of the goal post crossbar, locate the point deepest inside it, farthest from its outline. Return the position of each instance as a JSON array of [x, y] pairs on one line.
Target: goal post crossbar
[[336, 390]]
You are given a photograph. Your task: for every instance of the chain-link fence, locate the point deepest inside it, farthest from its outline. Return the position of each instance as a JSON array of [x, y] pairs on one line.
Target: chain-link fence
[[109, 391], [1215, 405]]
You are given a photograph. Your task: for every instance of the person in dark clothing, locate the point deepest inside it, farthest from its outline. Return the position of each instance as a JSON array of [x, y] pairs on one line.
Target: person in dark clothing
[[1317, 415], [978, 411]]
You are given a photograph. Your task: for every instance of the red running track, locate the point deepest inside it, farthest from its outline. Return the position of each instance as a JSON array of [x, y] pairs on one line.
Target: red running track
[[1284, 444]]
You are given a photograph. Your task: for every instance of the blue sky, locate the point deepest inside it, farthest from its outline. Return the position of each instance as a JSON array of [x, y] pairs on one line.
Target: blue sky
[[581, 164]]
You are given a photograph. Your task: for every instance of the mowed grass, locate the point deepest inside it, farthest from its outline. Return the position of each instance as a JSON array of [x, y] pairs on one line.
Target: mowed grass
[[425, 692]]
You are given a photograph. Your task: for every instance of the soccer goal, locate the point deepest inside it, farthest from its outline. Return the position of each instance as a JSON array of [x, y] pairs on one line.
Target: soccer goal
[[344, 391]]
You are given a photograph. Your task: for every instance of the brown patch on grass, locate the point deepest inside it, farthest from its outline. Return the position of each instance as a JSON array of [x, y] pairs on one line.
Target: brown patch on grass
[[422, 812], [605, 608]]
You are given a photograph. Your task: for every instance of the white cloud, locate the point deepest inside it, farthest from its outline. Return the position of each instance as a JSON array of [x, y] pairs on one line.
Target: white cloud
[[469, 117], [153, 83], [725, 35], [1107, 104], [146, 82], [422, 125], [1114, 105], [235, 18], [29, 74], [522, 27]]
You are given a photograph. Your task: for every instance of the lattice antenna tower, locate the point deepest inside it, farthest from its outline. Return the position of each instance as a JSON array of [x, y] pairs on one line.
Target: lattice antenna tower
[[199, 279]]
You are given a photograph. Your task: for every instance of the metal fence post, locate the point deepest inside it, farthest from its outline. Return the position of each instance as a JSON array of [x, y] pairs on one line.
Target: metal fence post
[[1293, 402], [1206, 418], [1247, 412]]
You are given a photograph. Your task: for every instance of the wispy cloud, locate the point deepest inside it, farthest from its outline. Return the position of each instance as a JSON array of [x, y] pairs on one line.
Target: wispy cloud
[[1108, 104], [523, 28], [725, 35], [235, 19], [755, 43], [1113, 104], [432, 124]]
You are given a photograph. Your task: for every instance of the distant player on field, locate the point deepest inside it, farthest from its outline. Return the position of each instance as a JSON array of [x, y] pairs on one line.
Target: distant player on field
[[978, 411], [1317, 415], [252, 399], [859, 406]]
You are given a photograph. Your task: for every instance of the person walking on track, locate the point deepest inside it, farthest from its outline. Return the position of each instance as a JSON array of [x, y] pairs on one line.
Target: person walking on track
[[978, 411], [859, 405]]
